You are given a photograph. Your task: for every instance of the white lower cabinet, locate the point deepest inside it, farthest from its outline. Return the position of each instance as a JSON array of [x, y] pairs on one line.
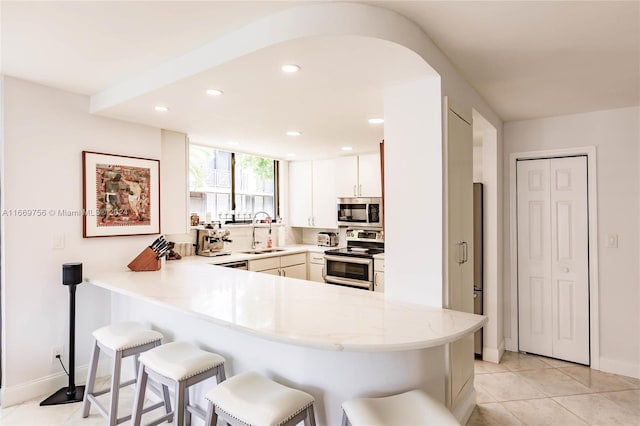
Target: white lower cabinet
[[378, 275], [316, 267], [295, 271], [290, 265]]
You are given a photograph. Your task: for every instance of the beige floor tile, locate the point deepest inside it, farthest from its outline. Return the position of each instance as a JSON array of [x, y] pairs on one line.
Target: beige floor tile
[[32, 414], [596, 380], [492, 414], [598, 410], [542, 412], [482, 396], [517, 362], [628, 400], [557, 363], [484, 367], [553, 382], [508, 386], [634, 382]]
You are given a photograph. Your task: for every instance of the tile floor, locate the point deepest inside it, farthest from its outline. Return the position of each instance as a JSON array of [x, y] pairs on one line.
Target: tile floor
[[521, 390], [532, 390]]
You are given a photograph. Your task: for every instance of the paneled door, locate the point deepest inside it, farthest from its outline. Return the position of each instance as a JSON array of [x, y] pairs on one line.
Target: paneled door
[[553, 269]]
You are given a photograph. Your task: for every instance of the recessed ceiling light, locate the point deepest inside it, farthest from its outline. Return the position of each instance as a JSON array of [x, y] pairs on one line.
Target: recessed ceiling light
[[214, 92], [290, 68], [232, 143], [293, 133], [376, 120], [291, 154], [346, 148], [161, 108]]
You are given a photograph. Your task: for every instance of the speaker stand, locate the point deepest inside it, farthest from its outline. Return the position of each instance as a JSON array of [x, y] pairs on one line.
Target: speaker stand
[[71, 393]]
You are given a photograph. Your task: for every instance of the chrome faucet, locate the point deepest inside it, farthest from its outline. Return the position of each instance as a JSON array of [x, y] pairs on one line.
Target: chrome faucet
[[253, 223]]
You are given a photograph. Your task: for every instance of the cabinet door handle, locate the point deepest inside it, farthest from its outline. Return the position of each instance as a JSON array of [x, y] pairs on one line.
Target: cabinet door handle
[[460, 252], [465, 245], [284, 273], [375, 280], [360, 190], [355, 193]]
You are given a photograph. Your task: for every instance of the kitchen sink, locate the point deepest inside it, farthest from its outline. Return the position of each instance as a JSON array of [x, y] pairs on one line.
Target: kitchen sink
[[262, 251]]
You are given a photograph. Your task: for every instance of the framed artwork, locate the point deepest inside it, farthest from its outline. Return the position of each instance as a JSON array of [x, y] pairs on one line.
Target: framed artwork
[[121, 195]]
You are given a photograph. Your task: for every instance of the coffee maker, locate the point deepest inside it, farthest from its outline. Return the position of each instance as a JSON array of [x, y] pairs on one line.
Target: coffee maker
[[210, 241]]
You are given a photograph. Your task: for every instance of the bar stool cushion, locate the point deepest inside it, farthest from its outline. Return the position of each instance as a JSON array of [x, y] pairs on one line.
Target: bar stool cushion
[[409, 408], [125, 335], [180, 360], [255, 400]]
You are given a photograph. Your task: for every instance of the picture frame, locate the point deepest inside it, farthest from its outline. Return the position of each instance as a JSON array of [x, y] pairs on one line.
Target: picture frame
[[121, 195]]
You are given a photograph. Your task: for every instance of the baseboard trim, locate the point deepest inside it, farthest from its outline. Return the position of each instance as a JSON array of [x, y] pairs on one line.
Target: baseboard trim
[[463, 410], [623, 368], [493, 354], [44, 386]]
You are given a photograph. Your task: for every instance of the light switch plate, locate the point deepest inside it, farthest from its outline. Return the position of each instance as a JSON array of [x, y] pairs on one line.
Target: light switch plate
[[612, 241], [58, 241]]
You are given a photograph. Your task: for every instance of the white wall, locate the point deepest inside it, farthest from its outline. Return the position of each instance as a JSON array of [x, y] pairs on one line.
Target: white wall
[[174, 182], [616, 136], [45, 131], [413, 181]]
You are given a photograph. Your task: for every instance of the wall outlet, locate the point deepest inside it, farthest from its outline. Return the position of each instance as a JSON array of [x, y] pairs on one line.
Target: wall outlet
[[55, 351]]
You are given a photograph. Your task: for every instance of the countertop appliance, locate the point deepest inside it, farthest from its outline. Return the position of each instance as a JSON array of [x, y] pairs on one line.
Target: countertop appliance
[[365, 212], [477, 262], [327, 239], [210, 242], [352, 266]]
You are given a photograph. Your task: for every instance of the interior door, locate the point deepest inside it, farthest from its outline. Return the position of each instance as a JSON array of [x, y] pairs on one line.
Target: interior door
[[534, 257], [553, 270]]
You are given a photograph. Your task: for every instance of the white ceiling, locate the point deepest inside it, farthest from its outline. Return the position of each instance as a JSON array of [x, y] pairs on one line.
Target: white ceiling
[[527, 59]]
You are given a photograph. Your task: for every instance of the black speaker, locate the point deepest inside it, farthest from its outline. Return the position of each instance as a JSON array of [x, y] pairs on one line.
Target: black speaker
[[71, 273]]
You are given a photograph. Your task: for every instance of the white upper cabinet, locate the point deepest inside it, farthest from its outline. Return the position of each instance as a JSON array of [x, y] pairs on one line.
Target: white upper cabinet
[[325, 210], [346, 174], [312, 194], [300, 195], [358, 176], [369, 180]]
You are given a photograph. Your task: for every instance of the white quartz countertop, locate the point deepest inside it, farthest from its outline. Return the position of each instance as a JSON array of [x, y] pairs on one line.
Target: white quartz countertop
[[289, 310]]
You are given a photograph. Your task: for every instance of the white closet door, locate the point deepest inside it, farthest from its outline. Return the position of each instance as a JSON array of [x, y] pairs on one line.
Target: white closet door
[[534, 257], [553, 270], [569, 259]]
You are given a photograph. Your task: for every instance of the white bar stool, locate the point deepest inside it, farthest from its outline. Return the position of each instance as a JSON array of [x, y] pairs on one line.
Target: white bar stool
[[180, 365], [252, 399], [119, 341], [410, 408]]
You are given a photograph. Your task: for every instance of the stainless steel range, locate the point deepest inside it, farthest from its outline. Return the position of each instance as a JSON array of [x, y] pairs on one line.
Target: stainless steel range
[[353, 266]]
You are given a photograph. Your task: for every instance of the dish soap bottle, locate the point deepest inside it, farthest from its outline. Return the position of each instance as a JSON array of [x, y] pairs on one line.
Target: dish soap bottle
[[269, 242]]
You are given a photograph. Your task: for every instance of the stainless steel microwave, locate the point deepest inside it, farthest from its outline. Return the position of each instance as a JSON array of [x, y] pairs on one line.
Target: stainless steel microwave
[[360, 211]]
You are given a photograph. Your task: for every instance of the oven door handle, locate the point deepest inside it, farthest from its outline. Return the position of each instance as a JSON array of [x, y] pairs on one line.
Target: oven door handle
[[347, 281], [348, 259]]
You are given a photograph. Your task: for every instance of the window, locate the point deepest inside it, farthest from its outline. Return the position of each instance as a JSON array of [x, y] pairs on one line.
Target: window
[[230, 187]]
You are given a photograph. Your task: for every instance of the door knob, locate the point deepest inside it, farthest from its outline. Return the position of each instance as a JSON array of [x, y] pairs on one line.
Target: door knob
[[565, 269]]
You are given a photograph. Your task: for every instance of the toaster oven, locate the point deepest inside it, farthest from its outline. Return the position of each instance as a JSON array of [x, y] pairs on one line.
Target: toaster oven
[[327, 239]]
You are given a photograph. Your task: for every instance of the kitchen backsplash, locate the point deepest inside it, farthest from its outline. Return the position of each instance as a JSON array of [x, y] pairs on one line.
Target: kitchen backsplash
[[281, 236]]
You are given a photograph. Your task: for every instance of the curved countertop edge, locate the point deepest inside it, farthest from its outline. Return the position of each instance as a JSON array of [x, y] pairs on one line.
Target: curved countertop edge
[[298, 341]]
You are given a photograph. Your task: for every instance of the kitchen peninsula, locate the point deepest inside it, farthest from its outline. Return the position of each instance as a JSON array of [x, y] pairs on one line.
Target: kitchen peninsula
[[333, 342]]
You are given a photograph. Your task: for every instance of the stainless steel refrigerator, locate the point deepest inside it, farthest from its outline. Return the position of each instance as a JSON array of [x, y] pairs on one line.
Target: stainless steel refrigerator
[[477, 262]]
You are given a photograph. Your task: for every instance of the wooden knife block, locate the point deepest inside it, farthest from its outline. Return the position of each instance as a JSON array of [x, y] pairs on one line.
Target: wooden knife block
[[145, 261]]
